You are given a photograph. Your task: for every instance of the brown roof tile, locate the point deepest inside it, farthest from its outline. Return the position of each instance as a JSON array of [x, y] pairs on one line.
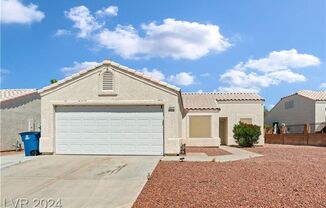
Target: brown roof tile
[[208, 101], [10, 94], [314, 95]]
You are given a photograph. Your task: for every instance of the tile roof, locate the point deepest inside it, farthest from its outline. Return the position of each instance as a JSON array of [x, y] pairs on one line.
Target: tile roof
[[10, 94], [208, 101], [111, 63], [314, 95]]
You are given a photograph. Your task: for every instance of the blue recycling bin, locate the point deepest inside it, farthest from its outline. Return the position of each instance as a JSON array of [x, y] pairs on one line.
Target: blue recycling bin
[[31, 142]]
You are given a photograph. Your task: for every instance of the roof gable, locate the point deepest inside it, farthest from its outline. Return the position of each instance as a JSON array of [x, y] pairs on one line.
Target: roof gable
[[122, 68], [312, 95]]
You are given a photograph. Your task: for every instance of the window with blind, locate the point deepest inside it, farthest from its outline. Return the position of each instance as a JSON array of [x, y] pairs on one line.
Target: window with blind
[[246, 120], [200, 126]]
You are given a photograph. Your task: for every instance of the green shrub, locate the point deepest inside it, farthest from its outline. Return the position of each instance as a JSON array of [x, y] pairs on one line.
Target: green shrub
[[246, 135]]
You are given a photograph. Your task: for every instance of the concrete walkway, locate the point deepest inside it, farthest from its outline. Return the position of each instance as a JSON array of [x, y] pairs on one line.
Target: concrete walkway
[[9, 160], [236, 154]]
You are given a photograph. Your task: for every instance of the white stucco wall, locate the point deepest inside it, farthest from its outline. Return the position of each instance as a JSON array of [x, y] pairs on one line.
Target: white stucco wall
[[320, 114], [236, 110], [16, 116], [233, 111], [303, 111], [131, 90]]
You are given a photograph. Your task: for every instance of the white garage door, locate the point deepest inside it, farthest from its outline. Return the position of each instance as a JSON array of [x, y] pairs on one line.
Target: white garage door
[[109, 130]]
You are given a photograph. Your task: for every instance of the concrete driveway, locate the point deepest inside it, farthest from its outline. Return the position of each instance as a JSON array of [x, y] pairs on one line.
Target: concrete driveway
[[78, 181]]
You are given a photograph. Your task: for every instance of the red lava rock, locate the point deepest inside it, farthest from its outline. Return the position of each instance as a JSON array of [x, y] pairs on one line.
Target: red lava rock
[[286, 176]]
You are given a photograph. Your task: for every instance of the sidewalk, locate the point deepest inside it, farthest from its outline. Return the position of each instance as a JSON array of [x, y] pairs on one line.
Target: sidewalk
[[12, 159], [236, 154]]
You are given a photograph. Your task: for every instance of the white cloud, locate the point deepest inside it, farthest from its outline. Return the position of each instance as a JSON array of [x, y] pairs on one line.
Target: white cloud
[[286, 76], [200, 91], [124, 40], [205, 74], [154, 73], [109, 11], [83, 20], [172, 38], [78, 66], [62, 32], [241, 79], [237, 89], [3, 74], [182, 78], [14, 11], [276, 68], [323, 85], [285, 59]]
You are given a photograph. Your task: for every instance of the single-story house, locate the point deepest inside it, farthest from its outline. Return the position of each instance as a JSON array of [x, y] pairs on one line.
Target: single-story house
[[112, 109], [210, 117], [20, 111], [302, 107]]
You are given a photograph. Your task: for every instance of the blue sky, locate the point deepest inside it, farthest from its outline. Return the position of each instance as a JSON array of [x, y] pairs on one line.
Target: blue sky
[[271, 47]]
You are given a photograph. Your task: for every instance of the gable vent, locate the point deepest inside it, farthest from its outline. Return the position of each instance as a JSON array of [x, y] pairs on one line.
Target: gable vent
[[107, 80]]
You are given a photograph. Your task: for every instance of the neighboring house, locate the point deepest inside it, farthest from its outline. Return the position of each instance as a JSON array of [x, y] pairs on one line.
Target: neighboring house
[[112, 109], [302, 107], [20, 111]]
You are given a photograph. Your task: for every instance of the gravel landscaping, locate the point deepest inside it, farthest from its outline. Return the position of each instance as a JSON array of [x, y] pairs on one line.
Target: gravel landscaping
[[210, 151], [286, 176]]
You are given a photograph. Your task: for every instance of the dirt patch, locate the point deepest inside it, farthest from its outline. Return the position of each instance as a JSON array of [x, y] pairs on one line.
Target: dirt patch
[[5, 153], [210, 151], [286, 176]]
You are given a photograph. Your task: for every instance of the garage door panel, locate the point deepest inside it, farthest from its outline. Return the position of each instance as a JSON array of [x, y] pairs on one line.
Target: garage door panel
[[103, 130]]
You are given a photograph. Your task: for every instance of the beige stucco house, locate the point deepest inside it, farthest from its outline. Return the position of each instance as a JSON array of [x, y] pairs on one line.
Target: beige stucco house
[[20, 111], [112, 109], [302, 107], [210, 117]]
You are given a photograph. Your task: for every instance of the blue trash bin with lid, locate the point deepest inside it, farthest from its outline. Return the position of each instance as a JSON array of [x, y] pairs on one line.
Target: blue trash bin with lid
[[31, 142]]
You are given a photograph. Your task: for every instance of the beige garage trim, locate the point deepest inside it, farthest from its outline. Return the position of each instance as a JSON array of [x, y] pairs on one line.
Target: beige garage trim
[[200, 126]]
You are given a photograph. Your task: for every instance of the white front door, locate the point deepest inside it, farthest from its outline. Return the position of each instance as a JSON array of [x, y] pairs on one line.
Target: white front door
[[109, 130]]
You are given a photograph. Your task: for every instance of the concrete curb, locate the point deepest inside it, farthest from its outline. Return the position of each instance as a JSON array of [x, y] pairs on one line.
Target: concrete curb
[[10, 160], [236, 154]]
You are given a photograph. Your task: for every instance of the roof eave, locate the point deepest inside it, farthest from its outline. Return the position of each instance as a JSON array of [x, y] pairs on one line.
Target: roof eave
[[109, 63]]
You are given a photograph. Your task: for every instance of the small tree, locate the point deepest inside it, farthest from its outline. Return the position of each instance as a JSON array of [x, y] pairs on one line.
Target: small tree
[[246, 135], [53, 81]]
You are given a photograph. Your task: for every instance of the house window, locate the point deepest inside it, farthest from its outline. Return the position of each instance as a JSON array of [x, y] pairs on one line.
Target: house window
[[107, 81], [199, 126], [289, 104], [246, 120]]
